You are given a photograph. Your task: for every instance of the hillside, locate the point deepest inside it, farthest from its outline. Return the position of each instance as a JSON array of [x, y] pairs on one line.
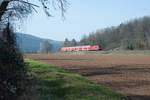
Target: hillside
[[29, 43], [134, 34]]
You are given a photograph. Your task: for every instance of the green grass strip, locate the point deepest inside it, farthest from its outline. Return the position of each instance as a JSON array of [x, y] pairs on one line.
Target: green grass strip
[[58, 84]]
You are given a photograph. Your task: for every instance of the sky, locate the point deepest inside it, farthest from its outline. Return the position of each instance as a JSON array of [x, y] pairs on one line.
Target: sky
[[83, 17]]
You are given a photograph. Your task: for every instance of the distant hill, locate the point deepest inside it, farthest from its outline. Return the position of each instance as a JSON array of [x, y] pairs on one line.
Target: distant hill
[[134, 34], [29, 43]]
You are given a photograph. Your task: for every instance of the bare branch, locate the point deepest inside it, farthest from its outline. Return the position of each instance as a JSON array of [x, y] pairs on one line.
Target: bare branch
[[27, 3], [21, 8]]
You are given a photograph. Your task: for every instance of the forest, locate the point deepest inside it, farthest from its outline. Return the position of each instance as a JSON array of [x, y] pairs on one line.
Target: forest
[[133, 34]]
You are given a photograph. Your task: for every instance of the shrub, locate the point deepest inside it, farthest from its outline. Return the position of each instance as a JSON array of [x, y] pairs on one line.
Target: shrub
[[12, 67]]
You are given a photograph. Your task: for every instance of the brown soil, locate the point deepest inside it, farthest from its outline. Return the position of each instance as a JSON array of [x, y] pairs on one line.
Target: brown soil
[[129, 75]]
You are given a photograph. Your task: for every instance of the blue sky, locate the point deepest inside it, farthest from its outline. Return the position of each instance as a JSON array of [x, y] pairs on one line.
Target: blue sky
[[85, 16]]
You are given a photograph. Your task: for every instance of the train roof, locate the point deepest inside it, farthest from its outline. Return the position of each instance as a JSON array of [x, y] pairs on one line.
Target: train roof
[[77, 46]]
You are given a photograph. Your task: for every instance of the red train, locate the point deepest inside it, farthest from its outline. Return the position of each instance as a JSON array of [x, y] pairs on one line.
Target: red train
[[81, 48]]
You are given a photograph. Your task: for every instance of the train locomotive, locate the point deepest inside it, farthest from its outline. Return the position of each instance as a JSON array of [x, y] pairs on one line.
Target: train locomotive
[[81, 48]]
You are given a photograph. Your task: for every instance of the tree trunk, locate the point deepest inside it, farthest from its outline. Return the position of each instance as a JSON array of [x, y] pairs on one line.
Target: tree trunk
[[3, 8]]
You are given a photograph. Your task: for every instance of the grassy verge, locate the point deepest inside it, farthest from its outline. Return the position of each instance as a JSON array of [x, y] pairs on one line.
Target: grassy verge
[[56, 84]]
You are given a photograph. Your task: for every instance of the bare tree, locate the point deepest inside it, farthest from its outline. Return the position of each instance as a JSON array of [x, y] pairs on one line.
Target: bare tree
[[12, 66], [45, 47], [22, 8]]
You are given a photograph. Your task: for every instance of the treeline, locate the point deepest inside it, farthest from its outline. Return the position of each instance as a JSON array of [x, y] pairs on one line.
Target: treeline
[[68, 43], [131, 35]]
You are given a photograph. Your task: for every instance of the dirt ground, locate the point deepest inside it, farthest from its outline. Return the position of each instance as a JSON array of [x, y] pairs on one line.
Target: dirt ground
[[128, 75]]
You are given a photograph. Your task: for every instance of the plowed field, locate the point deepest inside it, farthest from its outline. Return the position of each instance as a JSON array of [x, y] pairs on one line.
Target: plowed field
[[129, 75]]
